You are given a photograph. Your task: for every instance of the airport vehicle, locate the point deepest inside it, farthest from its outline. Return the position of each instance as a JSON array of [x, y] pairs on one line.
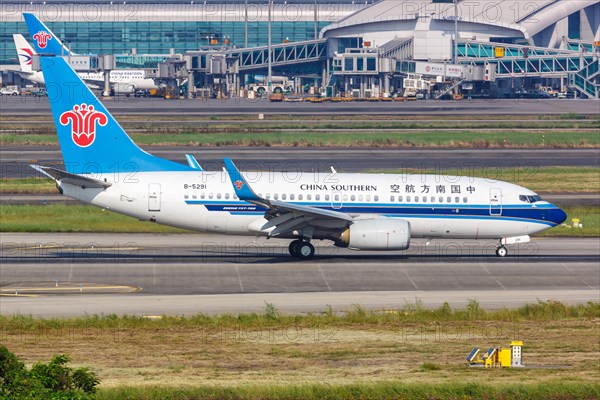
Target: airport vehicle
[[10, 90], [359, 211], [122, 81]]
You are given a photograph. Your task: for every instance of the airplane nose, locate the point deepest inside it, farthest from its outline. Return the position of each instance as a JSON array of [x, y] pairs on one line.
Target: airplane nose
[[557, 215]]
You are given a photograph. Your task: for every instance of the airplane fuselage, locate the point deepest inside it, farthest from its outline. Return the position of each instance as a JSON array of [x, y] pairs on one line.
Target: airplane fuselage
[[436, 206]]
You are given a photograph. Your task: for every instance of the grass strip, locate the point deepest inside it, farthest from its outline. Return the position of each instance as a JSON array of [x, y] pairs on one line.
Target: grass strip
[[368, 391], [434, 138], [266, 126], [406, 352], [87, 218], [538, 179]]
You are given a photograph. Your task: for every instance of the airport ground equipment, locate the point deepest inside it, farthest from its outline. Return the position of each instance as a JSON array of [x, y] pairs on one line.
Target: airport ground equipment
[[507, 357]]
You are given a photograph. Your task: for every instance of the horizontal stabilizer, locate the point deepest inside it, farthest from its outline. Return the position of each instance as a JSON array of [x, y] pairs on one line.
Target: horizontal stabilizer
[[72, 179]]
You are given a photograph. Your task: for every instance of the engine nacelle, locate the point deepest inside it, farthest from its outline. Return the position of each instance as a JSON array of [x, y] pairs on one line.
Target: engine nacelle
[[377, 234]]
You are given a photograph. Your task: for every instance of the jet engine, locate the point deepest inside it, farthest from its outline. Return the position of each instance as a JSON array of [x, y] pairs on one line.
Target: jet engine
[[377, 234]]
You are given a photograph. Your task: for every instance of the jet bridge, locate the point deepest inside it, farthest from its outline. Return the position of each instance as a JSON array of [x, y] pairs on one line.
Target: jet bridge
[[514, 61]]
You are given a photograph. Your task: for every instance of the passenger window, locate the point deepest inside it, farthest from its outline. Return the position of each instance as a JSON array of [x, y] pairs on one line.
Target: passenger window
[[344, 198], [283, 196], [392, 198], [210, 196], [368, 197], [360, 197], [424, 199], [202, 196], [308, 197], [219, 196], [353, 198], [317, 197], [268, 196], [292, 196], [441, 199], [227, 196], [432, 199], [449, 199], [235, 196], [408, 199], [376, 198], [456, 200], [336, 197], [194, 197], [276, 196], [465, 199], [300, 197], [186, 196], [400, 199], [327, 197]]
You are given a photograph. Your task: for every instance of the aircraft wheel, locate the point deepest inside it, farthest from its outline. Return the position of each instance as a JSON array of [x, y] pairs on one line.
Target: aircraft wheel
[[501, 251], [293, 248], [305, 250]]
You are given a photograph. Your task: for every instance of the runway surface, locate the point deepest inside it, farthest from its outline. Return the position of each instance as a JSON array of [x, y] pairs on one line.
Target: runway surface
[[31, 106], [73, 274], [15, 160]]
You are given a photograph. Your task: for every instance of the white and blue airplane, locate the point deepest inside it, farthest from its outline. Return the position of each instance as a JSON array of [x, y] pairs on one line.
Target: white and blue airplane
[[122, 81], [104, 167]]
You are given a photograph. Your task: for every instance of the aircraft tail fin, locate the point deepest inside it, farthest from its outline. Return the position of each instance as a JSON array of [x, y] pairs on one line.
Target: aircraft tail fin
[[43, 39], [91, 140], [24, 51]]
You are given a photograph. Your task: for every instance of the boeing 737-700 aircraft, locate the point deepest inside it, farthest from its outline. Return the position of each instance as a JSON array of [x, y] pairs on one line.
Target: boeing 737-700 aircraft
[[360, 211]]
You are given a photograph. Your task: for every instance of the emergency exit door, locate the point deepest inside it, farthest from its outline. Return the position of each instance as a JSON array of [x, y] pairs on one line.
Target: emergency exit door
[[154, 197]]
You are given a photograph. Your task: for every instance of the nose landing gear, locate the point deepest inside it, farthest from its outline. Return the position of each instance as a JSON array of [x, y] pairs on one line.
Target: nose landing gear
[[501, 251], [301, 249]]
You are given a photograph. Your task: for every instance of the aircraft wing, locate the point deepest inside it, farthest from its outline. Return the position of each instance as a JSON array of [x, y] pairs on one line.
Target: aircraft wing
[[73, 179], [285, 217]]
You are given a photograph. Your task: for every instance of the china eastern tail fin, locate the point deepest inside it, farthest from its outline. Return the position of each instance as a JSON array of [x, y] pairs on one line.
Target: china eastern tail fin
[[43, 39], [91, 140], [25, 52]]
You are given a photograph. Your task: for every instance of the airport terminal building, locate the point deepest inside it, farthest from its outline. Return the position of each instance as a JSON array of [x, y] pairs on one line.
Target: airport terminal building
[[363, 48]]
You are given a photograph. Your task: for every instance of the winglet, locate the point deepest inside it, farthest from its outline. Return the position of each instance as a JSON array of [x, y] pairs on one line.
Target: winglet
[[240, 186], [192, 162]]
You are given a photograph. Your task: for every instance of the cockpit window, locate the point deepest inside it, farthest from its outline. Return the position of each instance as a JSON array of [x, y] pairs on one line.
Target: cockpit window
[[530, 199]]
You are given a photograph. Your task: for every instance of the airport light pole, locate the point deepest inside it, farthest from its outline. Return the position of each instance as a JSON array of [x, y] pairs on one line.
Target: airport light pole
[[455, 58], [270, 73]]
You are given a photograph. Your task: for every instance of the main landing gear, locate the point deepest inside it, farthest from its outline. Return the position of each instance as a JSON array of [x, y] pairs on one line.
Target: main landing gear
[[301, 249]]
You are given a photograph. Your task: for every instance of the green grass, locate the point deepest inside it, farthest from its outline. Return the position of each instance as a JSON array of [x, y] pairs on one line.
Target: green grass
[[353, 316], [375, 391], [357, 354], [72, 218], [376, 138], [589, 218], [85, 218], [538, 179]]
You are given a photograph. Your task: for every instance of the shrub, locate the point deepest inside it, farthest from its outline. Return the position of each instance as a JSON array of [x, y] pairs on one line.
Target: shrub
[[54, 380]]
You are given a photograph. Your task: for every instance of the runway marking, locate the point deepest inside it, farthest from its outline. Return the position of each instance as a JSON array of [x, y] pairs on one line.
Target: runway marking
[[490, 274], [13, 291], [410, 279], [323, 276], [580, 280], [237, 269]]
